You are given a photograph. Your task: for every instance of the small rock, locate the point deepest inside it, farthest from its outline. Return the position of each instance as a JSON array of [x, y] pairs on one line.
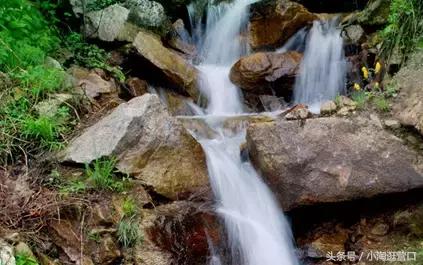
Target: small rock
[[328, 107], [49, 107], [380, 229], [94, 85], [22, 248], [346, 102], [107, 252], [52, 63], [393, 124], [344, 111], [412, 139], [299, 112], [6, 254]]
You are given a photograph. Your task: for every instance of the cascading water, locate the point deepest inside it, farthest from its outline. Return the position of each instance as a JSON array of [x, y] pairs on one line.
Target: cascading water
[[323, 69], [257, 231]]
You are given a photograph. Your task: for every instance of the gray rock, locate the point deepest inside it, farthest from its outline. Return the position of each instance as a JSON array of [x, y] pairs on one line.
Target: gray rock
[[145, 13], [328, 107], [149, 144], [49, 107], [106, 24], [408, 105], [353, 34], [331, 160], [393, 124], [6, 254]]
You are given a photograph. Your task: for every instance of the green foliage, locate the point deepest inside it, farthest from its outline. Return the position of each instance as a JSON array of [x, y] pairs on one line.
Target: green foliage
[[102, 175], [128, 232], [25, 36], [25, 259], [381, 103], [90, 55], [360, 97], [129, 207], [404, 31]]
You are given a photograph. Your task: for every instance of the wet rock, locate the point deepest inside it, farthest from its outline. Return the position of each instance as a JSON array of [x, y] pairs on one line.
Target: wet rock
[[260, 72], [331, 160], [137, 87], [107, 23], [274, 22], [174, 67], [271, 103], [182, 228], [6, 254], [175, 103], [179, 39], [408, 106], [146, 14], [328, 107], [149, 144]]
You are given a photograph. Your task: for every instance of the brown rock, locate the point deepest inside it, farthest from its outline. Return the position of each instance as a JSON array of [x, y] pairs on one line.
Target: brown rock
[[137, 87], [274, 22], [261, 71], [174, 67], [181, 228], [149, 144], [327, 243], [331, 160]]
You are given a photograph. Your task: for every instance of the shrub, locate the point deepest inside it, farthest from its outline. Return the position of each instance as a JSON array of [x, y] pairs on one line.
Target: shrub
[[381, 103], [405, 28], [102, 175], [129, 207]]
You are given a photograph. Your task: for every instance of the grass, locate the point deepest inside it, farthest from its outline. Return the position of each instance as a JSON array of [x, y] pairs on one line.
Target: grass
[[381, 103], [129, 207], [128, 232], [404, 31], [101, 174], [359, 97]]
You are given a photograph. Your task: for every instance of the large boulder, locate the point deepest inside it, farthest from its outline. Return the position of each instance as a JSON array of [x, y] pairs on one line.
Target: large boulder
[[174, 67], [149, 144], [106, 24], [261, 72], [408, 107], [147, 14], [331, 159], [274, 22]]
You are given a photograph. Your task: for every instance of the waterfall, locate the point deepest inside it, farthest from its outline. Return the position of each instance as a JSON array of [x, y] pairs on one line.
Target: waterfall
[[323, 69], [257, 231]]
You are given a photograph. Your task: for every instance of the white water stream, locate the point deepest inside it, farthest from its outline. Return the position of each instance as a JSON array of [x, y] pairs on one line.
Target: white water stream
[[257, 231], [323, 69]]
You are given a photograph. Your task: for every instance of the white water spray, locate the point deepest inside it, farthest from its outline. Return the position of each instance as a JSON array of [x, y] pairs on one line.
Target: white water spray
[[257, 231], [323, 69]]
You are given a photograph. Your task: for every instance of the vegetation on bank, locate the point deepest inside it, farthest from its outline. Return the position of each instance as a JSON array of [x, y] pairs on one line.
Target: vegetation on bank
[[404, 31]]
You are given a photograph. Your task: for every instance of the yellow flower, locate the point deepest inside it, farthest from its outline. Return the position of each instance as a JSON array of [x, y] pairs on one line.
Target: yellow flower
[[357, 86], [376, 86], [378, 67], [365, 72]]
